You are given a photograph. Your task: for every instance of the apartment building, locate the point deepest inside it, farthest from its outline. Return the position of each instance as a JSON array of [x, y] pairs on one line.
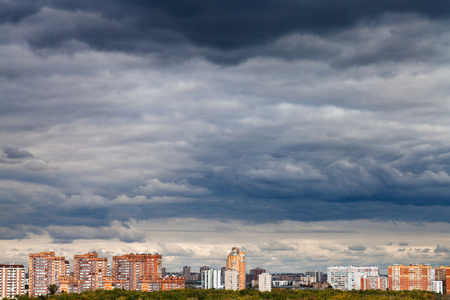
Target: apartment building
[[12, 280], [442, 273], [44, 269], [231, 280], [265, 282], [374, 283], [349, 277], [211, 279], [142, 272], [254, 274], [88, 273], [412, 277], [236, 261], [91, 269], [316, 274]]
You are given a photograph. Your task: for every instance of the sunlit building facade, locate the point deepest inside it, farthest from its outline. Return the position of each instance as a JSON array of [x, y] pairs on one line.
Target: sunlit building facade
[[412, 277], [349, 277], [211, 279], [44, 269], [231, 280], [265, 282], [90, 269], [374, 283], [12, 280], [141, 272], [236, 261]]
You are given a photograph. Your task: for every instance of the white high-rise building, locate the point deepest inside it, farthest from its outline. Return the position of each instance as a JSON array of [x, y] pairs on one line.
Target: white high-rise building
[[211, 279], [349, 277], [231, 280], [12, 280], [265, 282], [437, 287]]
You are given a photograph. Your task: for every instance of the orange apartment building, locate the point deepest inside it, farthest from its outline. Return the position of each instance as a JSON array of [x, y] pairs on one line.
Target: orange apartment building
[[412, 277], [140, 272], [88, 273], [442, 273], [374, 283], [44, 269], [236, 261], [91, 269], [69, 284], [12, 280]]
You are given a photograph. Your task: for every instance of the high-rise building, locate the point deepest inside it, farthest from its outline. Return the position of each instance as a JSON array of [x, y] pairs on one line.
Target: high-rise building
[[412, 277], [12, 280], [442, 273], [211, 279], [142, 272], [254, 274], [91, 269], [222, 274], [187, 273], [236, 261], [128, 268], [265, 282], [231, 280], [437, 287], [316, 274], [44, 269], [349, 277], [374, 283]]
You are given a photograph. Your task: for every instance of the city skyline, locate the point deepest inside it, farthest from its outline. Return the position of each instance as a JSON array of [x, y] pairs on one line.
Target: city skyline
[[306, 132]]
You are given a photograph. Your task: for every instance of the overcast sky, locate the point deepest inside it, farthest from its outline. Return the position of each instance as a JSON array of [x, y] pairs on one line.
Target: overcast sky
[[308, 132]]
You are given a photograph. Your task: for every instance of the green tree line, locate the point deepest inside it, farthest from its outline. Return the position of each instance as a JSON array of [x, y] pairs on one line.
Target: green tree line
[[276, 294]]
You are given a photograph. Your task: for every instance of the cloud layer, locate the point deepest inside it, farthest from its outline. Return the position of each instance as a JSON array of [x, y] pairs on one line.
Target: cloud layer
[[251, 114]]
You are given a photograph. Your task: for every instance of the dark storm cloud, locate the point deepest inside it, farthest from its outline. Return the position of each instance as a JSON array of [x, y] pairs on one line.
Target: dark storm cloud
[[15, 10], [441, 249], [235, 24], [357, 248], [232, 31], [351, 123], [15, 152]]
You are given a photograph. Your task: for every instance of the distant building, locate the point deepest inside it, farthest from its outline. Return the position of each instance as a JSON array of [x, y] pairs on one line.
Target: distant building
[[236, 261], [412, 277], [231, 280], [278, 283], [211, 279], [349, 277], [204, 268], [265, 282], [321, 285], [141, 272], [12, 280], [442, 273], [44, 269], [254, 274], [316, 274], [127, 270], [187, 273], [374, 283], [222, 274], [304, 281]]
